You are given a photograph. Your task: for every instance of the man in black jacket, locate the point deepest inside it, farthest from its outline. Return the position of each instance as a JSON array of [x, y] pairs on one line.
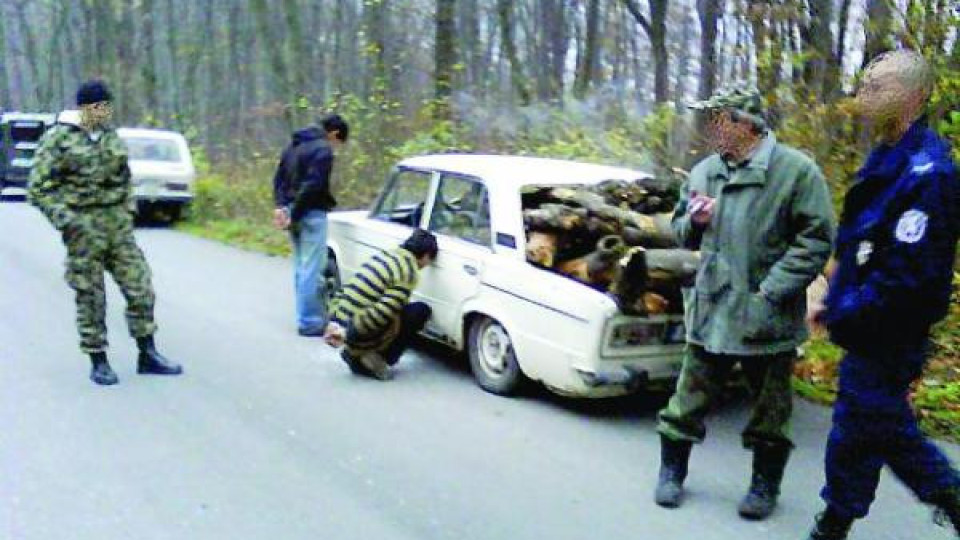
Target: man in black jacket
[[301, 192]]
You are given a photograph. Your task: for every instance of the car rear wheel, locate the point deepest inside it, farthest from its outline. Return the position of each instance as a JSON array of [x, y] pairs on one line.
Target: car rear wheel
[[492, 357]]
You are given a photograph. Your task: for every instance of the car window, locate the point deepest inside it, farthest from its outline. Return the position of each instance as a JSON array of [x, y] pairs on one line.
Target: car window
[[405, 198], [462, 210], [145, 149]]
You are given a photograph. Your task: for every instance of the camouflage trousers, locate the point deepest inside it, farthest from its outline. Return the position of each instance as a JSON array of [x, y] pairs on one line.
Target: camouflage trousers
[[102, 241], [703, 377]]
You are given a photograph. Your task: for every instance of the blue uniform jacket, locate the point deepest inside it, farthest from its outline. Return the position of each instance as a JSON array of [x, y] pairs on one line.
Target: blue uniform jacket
[[896, 247]]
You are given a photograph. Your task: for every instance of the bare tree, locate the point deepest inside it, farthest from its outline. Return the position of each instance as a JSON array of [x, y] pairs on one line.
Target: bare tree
[[656, 29], [587, 63], [505, 18], [709, 12], [445, 48]]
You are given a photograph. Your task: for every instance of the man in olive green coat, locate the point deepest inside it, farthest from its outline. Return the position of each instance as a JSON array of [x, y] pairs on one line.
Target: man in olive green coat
[[761, 216]]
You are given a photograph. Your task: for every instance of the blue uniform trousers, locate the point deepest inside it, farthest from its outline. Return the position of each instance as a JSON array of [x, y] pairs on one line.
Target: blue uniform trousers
[[873, 426]]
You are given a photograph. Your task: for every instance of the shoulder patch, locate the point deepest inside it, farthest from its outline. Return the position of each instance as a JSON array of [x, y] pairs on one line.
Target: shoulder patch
[[911, 227], [923, 169]]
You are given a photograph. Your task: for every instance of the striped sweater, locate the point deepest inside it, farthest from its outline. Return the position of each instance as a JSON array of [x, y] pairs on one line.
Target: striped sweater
[[369, 305]]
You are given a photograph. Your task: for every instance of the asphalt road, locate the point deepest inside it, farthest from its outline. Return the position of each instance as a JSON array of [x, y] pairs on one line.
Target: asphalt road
[[267, 436]]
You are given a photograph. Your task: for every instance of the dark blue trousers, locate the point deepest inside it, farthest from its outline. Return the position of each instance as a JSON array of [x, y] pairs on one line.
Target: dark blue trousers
[[873, 426]]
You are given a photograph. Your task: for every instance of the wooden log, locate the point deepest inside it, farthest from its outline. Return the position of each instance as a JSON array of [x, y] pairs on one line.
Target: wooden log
[[542, 248], [599, 268], [555, 217], [659, 271]]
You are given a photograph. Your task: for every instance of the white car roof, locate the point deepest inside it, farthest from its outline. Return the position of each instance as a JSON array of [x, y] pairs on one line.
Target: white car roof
[[30, 117], [145, 133], [513, 172]]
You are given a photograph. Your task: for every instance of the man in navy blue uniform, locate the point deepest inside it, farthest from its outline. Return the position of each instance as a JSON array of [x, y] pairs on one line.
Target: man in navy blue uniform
[[894, 257]]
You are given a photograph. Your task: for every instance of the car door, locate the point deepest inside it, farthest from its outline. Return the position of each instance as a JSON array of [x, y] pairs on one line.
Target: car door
[[460, 218], [400, 209]]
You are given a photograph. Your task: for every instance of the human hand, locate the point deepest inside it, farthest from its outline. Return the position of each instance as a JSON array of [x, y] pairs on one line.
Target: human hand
[[815, 315], [700, 209], [281, 219], [334, 335]]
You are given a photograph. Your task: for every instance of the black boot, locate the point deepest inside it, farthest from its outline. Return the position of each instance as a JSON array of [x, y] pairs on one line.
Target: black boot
[[101, 372], [948, 509], [674, 458], [769, 461], [830, 525], [150, 362]]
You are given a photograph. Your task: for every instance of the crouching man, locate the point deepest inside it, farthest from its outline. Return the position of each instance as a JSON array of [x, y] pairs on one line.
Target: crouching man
[[372, 316]]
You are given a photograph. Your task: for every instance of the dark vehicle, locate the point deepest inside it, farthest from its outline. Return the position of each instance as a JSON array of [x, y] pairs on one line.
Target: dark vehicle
[[21, 134]]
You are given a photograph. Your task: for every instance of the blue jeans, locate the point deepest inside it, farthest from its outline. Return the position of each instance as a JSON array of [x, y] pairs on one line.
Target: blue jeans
[[309, 236]]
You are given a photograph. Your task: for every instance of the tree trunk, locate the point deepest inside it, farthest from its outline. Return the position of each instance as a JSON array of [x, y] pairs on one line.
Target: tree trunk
[[559, 42], [445, 52], [275, 55], [174, 76], [375, 17], [586, 68], [709, 12], [6, 97], [32, 57], [505, 18], [879, 29], [818, 45], [656, 29], [148, 65], [297, 69]]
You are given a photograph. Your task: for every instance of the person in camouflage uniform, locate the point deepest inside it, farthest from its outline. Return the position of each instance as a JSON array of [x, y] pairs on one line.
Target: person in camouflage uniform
[[81, 183], [761, 216]]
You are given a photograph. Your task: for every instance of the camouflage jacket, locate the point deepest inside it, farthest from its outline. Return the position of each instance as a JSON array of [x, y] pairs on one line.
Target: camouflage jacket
[[73, 172]]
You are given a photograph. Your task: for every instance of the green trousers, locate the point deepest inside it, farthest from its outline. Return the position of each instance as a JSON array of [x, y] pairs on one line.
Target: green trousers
[[702, 378], [103, 242]]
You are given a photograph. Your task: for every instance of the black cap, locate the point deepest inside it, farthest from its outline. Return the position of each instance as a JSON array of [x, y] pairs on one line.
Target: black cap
[[93, 92]]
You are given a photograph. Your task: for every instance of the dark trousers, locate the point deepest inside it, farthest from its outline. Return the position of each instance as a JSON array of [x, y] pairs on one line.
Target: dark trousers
[[412, 320], [873, 426]]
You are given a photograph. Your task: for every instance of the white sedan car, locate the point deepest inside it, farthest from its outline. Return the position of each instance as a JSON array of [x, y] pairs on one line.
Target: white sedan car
[[162, 169], [517, 322]]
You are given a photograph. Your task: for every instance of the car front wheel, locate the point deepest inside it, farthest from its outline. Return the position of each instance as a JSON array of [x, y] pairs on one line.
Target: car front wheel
[[492, 357]]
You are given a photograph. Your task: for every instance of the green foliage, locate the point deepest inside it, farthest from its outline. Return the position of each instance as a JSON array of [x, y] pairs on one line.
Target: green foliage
[[831, 134], [938, 406]]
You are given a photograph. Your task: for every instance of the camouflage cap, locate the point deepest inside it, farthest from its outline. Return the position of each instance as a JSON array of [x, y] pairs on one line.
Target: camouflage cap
[[747, 100]]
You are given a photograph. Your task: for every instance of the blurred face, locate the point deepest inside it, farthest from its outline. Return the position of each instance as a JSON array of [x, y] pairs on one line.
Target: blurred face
[[886, 104], [726, 136], [333, 137], [96, 114]]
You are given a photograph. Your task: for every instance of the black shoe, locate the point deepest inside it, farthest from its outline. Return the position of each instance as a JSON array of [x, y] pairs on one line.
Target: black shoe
[[948, 509], [830, 526], [768, 465], [674, 458], [151, 362], [355, 367], [101, 372]]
